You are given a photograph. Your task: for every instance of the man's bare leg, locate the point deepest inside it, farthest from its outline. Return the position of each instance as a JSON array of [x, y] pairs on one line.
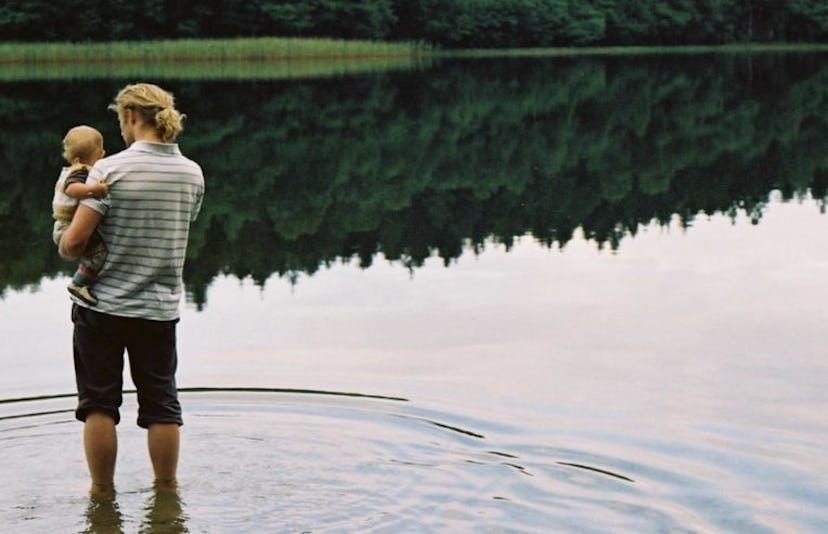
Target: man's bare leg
[[100, 443], [163, 444]]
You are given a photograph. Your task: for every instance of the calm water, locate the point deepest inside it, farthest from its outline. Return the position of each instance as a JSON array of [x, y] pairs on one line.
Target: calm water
[[514, 296]]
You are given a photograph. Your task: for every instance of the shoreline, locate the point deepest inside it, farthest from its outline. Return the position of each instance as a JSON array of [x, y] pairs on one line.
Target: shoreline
[[741, 48], [272, 49], [287, 58], [204, 50]]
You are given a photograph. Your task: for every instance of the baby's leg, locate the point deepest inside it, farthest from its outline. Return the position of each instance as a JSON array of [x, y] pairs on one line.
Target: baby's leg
[[79, 286], [91, 262]]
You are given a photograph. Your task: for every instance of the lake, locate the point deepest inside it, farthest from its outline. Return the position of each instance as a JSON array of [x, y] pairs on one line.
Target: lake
[[514, 295]]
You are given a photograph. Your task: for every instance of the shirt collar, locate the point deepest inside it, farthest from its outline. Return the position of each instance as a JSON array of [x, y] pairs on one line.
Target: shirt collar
[[156, 148]]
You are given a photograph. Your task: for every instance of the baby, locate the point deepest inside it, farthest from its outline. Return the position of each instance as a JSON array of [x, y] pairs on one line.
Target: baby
[[82, 147]]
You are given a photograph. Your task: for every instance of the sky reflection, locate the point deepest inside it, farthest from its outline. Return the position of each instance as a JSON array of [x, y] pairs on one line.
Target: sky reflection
[[690, 361], [705, 301]]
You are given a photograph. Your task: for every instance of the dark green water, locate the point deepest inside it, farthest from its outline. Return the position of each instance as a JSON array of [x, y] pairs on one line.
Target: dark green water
[[303, 173]]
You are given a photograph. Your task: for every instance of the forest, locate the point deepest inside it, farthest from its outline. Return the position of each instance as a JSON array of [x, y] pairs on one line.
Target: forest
[[446, 23], [413, 164]]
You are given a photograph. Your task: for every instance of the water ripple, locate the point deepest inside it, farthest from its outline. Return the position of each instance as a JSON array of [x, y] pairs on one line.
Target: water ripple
[[281, 460]]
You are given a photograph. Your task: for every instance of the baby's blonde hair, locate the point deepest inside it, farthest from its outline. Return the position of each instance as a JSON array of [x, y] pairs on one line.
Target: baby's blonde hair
[[155, 105], [82, 144]]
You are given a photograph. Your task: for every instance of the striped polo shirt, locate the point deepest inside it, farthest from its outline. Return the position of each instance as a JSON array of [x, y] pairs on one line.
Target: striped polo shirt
[[154, 194]]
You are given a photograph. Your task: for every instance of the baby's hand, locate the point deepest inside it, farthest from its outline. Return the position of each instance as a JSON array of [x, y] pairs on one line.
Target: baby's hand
[[98, 189]]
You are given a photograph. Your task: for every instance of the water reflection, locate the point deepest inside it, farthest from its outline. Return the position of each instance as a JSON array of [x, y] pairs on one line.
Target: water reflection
[[103, 516], [411, 164], [164, 512]]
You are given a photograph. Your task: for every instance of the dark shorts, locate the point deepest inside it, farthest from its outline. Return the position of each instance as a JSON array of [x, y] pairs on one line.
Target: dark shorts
[[98, 344]]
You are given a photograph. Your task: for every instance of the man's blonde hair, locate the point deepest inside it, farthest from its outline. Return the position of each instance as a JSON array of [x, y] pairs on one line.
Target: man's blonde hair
[[81, 144], [155, 105]]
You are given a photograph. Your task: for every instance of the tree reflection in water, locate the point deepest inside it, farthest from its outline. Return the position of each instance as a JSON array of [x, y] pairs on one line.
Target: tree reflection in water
[[301, 174]]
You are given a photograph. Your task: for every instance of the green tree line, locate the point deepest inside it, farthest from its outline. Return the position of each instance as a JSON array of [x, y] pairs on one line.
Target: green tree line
[[302, 174], [450, 23]]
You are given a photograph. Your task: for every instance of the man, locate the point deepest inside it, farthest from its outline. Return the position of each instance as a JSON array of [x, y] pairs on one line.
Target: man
[[154, 195]]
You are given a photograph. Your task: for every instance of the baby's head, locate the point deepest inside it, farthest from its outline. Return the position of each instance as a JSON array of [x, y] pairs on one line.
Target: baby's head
[[83, 145]]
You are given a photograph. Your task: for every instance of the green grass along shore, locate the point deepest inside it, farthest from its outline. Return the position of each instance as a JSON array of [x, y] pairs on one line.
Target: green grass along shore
[[281, 57], [245, 58], [277, 48], [184, 50]]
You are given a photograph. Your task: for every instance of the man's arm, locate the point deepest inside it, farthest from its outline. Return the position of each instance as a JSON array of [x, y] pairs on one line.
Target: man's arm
[[74, 239]]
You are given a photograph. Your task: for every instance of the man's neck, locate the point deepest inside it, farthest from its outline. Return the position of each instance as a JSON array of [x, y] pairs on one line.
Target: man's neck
[[150, 135], [149, 138]]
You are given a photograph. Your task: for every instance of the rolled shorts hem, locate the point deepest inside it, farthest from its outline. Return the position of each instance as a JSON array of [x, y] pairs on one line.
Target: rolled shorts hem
[[82, 413], [146, 423]]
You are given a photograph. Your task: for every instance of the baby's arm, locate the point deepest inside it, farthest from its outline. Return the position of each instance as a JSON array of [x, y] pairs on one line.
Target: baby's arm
[[76, 186]]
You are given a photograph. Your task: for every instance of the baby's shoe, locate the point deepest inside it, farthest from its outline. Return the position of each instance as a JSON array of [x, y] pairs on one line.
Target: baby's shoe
[[83, 293]]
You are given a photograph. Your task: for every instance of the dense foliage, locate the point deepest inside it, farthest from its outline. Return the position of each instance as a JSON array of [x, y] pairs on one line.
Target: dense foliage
[[466, 23], [304, 173]]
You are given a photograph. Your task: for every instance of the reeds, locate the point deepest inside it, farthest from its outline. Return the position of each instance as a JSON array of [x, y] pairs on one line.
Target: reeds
[[247, 49], [207, 70], [281, 57], [206, 58]]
